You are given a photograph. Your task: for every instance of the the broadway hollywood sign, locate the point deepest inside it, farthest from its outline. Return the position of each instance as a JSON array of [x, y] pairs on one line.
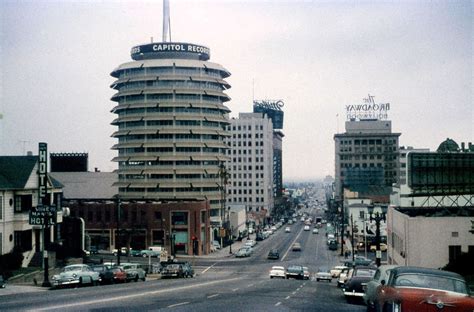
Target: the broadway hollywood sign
[[368, 110]]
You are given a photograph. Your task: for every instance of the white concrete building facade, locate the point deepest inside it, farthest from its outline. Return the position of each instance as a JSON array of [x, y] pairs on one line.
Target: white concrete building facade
[[251, 162]]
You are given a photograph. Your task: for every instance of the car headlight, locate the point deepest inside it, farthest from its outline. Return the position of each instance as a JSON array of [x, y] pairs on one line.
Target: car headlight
[[54, 277], [74, 275]]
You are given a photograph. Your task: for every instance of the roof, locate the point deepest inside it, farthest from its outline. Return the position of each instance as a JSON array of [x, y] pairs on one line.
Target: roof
[[15, 171], [87, 185], [420, 270]]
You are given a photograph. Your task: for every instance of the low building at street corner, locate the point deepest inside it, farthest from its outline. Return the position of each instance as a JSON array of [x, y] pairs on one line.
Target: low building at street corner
[[431, 216], [91, 197], [180, 227], [19, 181]]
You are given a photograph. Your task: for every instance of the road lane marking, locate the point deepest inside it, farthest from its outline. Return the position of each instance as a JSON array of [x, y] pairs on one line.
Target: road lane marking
[[208, 268], [120, 297], [293, 293], [177, 304], [277, 304], [291, 245], [235, 289], [250, 285], [212, 296], [287, 297]]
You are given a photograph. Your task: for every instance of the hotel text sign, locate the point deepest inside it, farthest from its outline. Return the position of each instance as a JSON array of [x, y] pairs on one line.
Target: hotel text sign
[[368, 110]]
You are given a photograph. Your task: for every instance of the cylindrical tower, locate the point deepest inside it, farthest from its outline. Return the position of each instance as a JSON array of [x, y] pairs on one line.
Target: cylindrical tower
[[171, 122]]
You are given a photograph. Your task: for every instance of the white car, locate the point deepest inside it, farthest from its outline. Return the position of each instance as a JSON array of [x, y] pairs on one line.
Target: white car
[[306, 227], [336, 271], [287, 229], [76, 274], [323, 276], [277, 271], [250, 243], [315, 231]]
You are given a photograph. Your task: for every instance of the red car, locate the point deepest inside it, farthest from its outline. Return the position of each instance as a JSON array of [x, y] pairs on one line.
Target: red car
[[120, 276], [422, 289]]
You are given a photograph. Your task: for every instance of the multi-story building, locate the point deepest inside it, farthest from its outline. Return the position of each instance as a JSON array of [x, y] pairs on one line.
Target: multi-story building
[[403, 160], [172, 122], [278, 163], [366, 154], [250, 162]]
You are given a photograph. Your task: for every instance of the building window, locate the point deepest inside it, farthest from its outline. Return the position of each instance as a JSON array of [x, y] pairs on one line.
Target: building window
[[107, 216], [454, 252], [157, 215], [361, 214], [1, 214], [179, 218], [23, 203], [454, 234]]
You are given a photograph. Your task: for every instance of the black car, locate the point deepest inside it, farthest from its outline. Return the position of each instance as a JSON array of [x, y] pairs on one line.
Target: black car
[[295, 271], [357, 279], [105, 273], [176, 269], [274, 254]]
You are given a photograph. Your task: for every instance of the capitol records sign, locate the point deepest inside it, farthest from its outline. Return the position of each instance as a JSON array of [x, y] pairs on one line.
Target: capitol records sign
[[368, 110]]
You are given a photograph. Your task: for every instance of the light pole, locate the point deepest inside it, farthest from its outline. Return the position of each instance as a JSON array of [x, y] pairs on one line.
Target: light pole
[[231, 239], [377, 217]]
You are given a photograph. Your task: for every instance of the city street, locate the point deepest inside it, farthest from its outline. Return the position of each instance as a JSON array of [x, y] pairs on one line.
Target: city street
[[225, 283]]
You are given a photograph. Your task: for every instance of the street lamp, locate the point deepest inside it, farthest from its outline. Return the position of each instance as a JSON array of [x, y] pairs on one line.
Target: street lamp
[[377, 217]]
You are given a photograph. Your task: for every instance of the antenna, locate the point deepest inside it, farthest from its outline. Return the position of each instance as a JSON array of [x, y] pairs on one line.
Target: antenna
[[166, 21]]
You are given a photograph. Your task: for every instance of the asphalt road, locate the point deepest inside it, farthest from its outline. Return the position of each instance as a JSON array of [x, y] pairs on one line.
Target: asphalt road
[[228, 284]]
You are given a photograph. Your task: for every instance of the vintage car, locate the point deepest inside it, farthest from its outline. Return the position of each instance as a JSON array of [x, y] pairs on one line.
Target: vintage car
[[76, 274], [336, 270], [306, 274], [422, 289], [243, 252], [273, 254], [357, 279], [177, 269], [323, 275], [370, 292], [295, 271], [277, 271], [342, 277], [134, 271]]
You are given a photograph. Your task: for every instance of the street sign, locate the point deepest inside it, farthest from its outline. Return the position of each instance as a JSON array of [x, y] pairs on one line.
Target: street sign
[[39, 214]]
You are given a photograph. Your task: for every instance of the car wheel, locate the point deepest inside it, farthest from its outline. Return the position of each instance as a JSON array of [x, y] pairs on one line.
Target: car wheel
[[271, 276], [80, 281], [136, 278], [143, 278], [317, 280]]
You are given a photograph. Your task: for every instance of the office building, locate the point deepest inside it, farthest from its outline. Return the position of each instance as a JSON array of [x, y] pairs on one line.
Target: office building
[[171, 122], [250, 163]]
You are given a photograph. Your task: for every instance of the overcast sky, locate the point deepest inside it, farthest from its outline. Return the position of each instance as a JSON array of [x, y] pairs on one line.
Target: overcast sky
[[318, 56]]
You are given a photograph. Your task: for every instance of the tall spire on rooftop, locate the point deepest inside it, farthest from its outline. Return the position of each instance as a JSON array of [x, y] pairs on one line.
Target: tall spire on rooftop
[[166, 21]]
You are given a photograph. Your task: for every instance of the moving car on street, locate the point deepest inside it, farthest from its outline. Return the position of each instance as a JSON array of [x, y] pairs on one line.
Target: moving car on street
[[243, 252], [357, 279], [306, 227], [277, 271], [287, 229], [274, 254], [315, 231], [323, 275], [296, 247], [306, 274], [295, 271], [422, 289], [336, 270], [76, 274]]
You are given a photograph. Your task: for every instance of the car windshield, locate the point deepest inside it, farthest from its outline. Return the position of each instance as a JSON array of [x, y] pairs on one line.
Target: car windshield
[[278, 268], [72, 268], [173, 266], [431, 281], [294, 269]]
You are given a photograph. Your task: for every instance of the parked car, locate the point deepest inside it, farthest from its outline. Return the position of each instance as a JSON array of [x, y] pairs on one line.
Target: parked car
[[76, 274], [123, 251], [295, 271], [250, 243], [287, 229], [216, 244], [243, 252], [134, 271], [296, 247], [323, 275], [149, 253], [306, 274], [332, 244], [105, 274], [357, 279], [273, 254], [277, 271], [370, 292], [135, 253], [336, 270], [120, 276], [422, 289]]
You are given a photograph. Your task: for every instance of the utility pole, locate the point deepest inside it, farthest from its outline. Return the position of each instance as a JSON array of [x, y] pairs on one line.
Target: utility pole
[[117, 236]]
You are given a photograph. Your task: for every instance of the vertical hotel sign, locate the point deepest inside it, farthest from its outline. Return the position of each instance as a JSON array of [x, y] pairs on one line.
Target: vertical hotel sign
[[43, 213]]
